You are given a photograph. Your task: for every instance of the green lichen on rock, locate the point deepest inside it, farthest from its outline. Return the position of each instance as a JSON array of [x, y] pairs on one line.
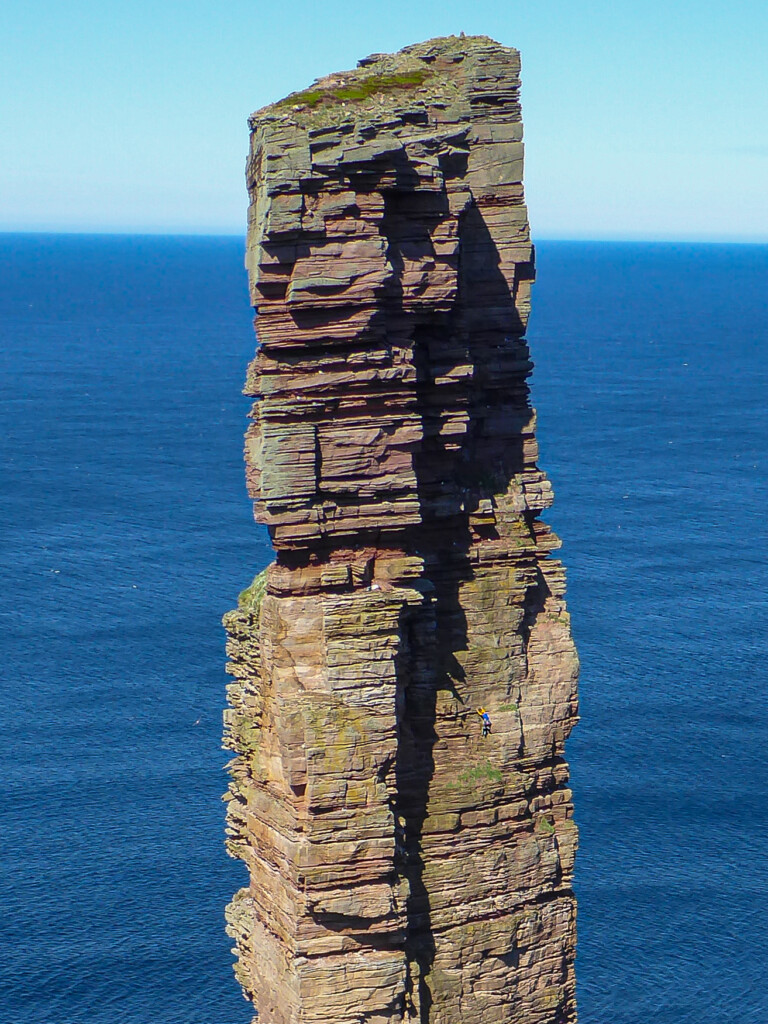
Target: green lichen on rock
[[360, 89], [250, 599], [483, 772]]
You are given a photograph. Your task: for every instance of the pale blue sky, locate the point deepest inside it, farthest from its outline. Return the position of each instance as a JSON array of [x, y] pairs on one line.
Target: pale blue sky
[[643, 119]]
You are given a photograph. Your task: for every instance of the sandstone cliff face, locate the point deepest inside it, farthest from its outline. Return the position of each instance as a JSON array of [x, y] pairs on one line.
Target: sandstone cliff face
[[402, 865]]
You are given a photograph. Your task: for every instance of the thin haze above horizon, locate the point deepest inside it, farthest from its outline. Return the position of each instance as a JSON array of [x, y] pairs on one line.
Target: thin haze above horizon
[[643, 120]]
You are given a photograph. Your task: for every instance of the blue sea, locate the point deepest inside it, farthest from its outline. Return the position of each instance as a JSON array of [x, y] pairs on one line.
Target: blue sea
[[126, 533]]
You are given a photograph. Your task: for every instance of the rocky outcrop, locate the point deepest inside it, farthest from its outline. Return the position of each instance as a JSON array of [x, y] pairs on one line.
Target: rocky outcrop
[[402, 864]]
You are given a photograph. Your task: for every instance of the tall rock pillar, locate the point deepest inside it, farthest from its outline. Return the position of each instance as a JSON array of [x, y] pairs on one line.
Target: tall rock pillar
[[403, 866]]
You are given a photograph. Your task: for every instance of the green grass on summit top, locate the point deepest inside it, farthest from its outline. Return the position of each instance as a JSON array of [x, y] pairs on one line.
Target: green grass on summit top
[[362, 89]]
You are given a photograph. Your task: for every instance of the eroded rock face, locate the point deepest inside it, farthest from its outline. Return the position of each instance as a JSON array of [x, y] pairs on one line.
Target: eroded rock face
[[402, 865]]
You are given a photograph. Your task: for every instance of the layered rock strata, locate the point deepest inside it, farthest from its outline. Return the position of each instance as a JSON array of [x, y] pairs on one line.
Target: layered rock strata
[[402, 865]]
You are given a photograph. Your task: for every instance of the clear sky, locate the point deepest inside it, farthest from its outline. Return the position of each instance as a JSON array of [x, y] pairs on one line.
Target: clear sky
[[644, 119]]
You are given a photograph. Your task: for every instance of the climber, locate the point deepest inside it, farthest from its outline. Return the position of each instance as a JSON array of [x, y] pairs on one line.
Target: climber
[[486, 721]]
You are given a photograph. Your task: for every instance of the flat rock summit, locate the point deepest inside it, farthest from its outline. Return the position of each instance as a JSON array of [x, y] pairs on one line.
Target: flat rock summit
[[408, 859]]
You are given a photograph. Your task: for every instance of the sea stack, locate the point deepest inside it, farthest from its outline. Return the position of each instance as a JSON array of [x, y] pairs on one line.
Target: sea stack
[[405, 862]]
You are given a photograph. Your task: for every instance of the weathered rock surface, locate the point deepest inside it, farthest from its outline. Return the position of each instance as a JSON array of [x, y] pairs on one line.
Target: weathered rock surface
[[401, 864]]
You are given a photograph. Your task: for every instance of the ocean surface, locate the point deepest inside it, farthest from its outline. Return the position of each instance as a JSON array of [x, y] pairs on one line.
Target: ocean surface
[[126, 533]]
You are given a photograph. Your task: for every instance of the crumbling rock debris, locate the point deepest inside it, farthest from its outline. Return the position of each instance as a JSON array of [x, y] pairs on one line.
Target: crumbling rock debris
[[402, 865]]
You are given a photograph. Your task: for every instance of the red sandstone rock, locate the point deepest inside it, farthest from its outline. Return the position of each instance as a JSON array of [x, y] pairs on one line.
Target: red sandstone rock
[[402, 865]]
